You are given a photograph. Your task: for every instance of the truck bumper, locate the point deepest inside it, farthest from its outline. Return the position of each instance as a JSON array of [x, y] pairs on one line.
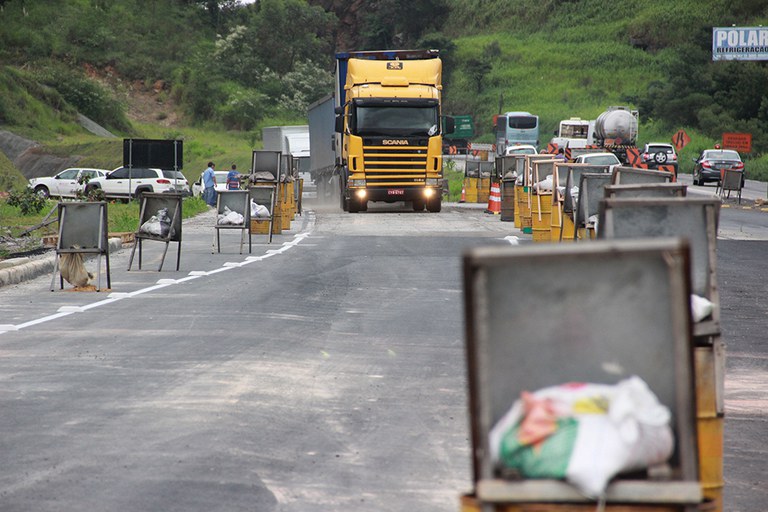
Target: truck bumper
[[394, 194]]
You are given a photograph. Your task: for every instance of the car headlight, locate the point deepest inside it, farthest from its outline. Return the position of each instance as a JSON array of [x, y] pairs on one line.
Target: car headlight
[[433, 182], [358, 183]]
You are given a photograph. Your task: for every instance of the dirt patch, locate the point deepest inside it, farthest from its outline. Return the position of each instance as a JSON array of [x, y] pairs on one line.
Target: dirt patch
[[149, 103]]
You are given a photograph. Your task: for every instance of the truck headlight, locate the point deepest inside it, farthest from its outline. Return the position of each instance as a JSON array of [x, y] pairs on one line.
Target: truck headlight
[[433, 182], [358, 183]]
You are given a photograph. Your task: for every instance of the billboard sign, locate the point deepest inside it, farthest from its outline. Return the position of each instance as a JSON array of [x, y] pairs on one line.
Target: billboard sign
[[740, 43]]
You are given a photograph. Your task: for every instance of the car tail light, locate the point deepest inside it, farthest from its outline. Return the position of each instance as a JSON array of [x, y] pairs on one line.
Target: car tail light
[[646, 156], [164, 181], [673, 157], [738, 165], [706, 165]]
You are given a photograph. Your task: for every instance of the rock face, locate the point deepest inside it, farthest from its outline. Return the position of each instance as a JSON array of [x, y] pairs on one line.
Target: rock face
[[28, 158], [347, 37]]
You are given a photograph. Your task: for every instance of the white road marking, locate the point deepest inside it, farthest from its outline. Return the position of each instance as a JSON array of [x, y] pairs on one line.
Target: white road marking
[[163, 283]]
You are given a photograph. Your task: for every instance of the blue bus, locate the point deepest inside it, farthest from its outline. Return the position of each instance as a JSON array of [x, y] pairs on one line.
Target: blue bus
[[516, 128]]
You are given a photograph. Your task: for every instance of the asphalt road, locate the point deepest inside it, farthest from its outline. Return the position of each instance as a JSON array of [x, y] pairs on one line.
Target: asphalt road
[[323, 372]]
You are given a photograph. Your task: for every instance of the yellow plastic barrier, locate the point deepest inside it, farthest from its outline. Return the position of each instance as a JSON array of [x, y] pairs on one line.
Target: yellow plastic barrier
[[541, 213], [470, 190]]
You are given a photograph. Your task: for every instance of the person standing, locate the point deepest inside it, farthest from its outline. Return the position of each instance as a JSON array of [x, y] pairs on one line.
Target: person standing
[[233, 179], [209, 184]]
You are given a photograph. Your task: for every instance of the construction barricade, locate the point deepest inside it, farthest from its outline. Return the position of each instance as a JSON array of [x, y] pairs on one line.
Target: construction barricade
[[695, 220], [633, 176], [83, 230], [233, 212], [642, 292], [658, 190], [267, 222], [154, 206], [591, 193], [571, 195], [541, 200]]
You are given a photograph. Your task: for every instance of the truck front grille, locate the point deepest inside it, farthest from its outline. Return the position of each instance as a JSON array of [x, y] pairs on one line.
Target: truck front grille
[[399, 166]]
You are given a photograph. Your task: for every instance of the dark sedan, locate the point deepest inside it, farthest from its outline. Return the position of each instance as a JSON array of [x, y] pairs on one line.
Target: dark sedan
[[713, 162]]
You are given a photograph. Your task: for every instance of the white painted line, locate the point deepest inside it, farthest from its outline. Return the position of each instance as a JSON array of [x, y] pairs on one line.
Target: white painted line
[[42, 320], [71, 309], [162, 283], [188, 278]]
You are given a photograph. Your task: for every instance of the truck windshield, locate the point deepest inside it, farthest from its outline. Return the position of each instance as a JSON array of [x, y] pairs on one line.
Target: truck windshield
[[395, 120]]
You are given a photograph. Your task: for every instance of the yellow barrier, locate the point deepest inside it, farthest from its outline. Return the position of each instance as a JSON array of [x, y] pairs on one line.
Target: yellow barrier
[[470, 190], [541, 213], [569, 229], [526, 222], [518, 196], [469, 503], [709, 424], [556, 222], [483, 190]]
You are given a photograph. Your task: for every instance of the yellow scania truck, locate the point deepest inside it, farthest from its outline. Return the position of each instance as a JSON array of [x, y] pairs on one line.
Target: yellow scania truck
[[387, 140]]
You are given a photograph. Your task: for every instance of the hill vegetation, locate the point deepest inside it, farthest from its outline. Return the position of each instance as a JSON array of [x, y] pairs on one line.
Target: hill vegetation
[[217, 71]]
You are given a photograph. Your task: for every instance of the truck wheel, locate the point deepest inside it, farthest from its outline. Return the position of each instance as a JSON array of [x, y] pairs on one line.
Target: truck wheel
[[435, 204]]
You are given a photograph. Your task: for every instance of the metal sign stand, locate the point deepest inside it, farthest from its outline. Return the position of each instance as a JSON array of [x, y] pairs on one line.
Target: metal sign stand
[[151, 203], [78, 236]]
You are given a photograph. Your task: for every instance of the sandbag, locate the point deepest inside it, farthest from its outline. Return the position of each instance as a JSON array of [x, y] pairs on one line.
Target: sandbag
[[73, 269], [583, 433], [701, 308], [229, 217], [259, 210], [157, 225]]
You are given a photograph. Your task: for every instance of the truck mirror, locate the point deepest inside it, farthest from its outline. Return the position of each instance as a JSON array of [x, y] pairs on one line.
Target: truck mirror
[[554, 132], [339, 110], [339, 123], [450, 124]]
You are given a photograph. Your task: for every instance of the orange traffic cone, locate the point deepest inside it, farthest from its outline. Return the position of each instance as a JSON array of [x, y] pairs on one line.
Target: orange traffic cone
[[494, 199], [463, 195]]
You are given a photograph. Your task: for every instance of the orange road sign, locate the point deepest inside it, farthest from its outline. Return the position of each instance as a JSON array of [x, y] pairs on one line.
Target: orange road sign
[[680, 139], [741, 142], [633, 157]]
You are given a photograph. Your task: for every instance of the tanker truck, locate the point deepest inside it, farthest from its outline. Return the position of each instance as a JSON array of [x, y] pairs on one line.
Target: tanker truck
[[387, 131], [616, 131]]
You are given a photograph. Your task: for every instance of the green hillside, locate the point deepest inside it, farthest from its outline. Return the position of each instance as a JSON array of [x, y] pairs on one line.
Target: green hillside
[[220, 70]]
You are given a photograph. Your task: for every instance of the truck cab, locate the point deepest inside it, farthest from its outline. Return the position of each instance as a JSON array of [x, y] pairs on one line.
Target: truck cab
[[574, 133], [389, 121]]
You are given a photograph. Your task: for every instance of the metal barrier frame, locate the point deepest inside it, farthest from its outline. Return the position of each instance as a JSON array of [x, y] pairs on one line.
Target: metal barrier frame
[[732, 180], [631, 176], [590, 194], [659, 190], [237, 201], [694, 219], [257, 193], [625, 302], [150, 204], [77, 235]]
